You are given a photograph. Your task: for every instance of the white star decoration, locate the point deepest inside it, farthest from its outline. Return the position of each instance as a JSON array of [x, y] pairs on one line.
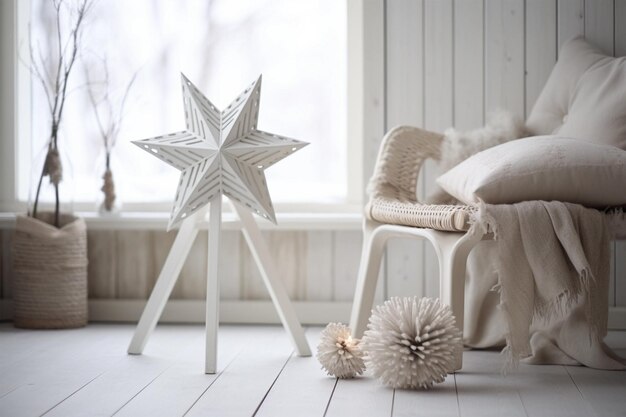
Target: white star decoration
[[221, 152]]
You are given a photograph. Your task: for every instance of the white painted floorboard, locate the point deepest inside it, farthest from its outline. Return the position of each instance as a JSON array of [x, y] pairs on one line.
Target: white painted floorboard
[[173, 392], [302, 390], [87, 372], [111, 390], [440, 401], [52, 375], [363, 397], [245, 382]]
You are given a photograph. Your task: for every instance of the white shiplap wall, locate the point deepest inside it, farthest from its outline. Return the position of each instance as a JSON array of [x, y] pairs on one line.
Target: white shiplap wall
[[431, 63], [451, 62]]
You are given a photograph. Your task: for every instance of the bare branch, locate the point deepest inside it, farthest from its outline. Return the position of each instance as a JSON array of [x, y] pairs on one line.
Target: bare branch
[[108, 108], [94, 106], [123, 104], [36, 72], [42, 60], [57, 82], [84, 6], [56, 89]]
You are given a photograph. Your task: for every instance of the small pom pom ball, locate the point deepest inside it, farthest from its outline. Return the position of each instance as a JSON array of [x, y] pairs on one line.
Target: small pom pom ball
[[411, 342], [339, 353]]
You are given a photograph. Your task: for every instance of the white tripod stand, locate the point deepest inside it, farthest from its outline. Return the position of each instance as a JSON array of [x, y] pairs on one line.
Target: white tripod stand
[[174, 263]]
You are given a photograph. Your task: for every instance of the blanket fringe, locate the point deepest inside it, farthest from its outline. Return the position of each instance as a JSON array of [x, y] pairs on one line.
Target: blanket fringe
[[511, 359], [482, 220], [558, 307], [564, 302]]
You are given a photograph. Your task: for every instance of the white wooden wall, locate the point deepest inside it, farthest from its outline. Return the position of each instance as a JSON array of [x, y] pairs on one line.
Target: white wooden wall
[[441, 63], [450, 62], [314, 265]]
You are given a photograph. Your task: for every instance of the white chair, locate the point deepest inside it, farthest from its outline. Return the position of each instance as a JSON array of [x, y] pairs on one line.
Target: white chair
[[394, 211], [583, 98]]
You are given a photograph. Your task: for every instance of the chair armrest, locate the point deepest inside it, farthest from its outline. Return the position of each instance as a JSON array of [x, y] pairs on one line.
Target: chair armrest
[[402, 153]]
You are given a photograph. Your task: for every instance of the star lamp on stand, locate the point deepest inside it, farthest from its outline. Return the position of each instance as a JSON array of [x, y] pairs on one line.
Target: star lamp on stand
[[219, 153]]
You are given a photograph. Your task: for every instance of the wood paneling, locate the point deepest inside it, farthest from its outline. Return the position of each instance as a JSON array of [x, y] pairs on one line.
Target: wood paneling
[[469, 74], [438, 104], [570, 20], [541, 47], [319, 264], [7, 269], [193, 276], [125, 264], [374, 84], [447, 63], [102, 267], [599, 24], [289, 251], [405, 106], [230, 266], [504, 56], [404, 266], [346, 264], [405, 58], [620, 28], [134, 269], [438, 65], [160, 245]]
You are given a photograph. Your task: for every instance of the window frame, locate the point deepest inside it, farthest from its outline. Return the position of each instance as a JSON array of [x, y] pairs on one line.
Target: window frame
[[364, 98]]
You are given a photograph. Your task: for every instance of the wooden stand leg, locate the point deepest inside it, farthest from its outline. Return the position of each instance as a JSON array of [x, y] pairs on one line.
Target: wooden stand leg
[[277, 291], [163, 287], [212, 285], [174, 263]]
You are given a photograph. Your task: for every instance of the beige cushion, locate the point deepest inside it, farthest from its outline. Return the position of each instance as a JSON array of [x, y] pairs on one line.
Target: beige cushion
[[541, 168], [585, 97]]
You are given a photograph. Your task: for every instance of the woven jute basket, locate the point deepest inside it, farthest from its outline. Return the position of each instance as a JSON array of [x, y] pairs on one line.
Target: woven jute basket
[[50, 270]]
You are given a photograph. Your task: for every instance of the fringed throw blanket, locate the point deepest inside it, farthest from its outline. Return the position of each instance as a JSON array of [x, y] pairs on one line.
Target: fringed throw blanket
[[542, 285]]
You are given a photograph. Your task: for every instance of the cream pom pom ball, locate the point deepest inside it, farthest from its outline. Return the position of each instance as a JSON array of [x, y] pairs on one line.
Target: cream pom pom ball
[[339, 353], [411, 342]]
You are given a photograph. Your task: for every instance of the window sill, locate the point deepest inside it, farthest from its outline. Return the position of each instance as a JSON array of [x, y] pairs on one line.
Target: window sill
[[158, 221]]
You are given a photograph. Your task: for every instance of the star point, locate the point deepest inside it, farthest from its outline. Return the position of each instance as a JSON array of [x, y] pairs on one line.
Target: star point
[[221, 152]]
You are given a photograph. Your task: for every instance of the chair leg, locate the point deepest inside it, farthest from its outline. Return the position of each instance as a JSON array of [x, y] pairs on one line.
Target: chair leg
[[453, 253], [371, 256]]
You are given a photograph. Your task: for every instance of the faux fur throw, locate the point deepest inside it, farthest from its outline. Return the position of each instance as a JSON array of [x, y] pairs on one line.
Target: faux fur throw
[[457, 146]]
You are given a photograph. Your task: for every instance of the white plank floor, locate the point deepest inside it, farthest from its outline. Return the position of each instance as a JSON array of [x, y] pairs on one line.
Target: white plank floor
[[86, 372]]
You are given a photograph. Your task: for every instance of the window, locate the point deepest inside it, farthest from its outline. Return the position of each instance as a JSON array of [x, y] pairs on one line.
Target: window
[[222, 46]]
